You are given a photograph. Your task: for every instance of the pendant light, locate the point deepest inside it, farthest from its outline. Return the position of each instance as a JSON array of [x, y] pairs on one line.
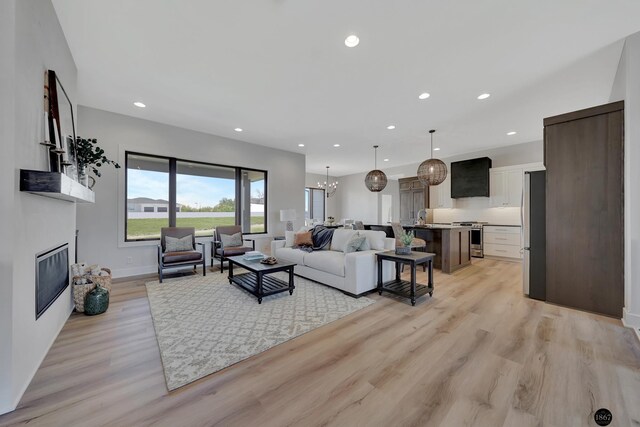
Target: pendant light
[[432, 171], [329, 188], [376, 180]]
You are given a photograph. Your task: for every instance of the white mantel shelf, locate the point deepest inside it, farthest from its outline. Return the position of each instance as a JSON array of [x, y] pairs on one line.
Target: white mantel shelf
[[55, 185]]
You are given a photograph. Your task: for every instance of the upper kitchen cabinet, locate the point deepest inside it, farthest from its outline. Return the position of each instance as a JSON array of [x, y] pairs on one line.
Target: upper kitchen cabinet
[[440, 195], [413, 197], [506, 186]]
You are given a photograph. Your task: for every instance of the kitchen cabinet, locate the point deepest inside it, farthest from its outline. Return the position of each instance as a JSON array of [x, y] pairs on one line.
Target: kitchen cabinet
[[413, 197], [440, 195], [506, 187], [502, 241]]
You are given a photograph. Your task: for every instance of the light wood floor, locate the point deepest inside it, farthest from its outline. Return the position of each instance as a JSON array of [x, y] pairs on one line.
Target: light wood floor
[[478, 353]]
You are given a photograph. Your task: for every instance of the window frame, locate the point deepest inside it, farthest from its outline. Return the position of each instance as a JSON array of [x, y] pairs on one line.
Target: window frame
[[324, 202], [172, 208]]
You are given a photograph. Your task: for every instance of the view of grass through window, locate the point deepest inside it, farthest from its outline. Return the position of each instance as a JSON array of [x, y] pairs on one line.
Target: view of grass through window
[[205, 197]]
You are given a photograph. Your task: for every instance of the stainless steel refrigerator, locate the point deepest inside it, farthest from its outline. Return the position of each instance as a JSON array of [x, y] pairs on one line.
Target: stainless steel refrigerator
[[534, 238]]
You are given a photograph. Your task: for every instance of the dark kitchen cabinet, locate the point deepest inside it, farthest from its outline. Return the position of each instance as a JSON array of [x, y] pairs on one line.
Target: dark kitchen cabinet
[[584, 159], [413, 197]]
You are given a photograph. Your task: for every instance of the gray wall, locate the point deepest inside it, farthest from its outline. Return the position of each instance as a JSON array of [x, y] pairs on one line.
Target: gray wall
[[101, 224], [626, 86], [33, 223]]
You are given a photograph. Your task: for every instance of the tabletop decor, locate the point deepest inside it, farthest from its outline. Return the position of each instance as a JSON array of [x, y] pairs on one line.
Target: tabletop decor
[[406, 237], [90, 156]]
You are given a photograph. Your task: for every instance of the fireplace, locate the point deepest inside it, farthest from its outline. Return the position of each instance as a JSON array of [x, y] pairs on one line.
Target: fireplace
[[52, 276]]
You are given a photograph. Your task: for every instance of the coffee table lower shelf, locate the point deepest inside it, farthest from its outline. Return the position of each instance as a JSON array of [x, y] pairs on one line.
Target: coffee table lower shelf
[[403, 288], [270, 285]]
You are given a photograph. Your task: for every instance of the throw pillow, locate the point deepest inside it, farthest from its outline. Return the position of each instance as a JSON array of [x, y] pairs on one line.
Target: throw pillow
[[174, 244], [230, 240], [303, 239], [365, 246], [354, 243], [288, 238]]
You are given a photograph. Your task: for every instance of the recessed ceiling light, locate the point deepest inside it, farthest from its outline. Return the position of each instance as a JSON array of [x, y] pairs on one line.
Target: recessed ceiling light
[[336, 145], [484, 96], [436, 149], [238, 129], [385, 160], [513, 132], [139, 104], [424, 95], [300, 145], [352, 41], [391, 127]]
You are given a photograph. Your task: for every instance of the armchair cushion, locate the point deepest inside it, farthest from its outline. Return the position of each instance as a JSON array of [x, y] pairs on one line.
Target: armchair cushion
[[231, 239], [178, 244], [182, 256], [233, 250]]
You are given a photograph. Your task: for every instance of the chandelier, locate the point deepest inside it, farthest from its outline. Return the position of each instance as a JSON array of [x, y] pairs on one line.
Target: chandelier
[[328, 187], [432, 171], [376, 180]]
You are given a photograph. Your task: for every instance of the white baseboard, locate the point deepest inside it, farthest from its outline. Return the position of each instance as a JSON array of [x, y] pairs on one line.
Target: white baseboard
[[118, 273], [630, 320]]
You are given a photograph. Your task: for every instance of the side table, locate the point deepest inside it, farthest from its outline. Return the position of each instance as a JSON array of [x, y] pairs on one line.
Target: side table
[[411, 290]]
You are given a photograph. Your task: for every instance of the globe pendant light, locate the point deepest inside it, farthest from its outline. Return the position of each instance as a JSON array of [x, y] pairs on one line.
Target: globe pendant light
[[376, 180], [432, 171]]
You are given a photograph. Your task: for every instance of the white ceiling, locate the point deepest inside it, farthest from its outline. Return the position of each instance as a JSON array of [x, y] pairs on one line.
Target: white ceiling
[[279, 69]]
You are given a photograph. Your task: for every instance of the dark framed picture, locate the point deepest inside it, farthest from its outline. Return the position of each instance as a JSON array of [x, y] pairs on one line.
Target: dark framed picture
[[62, 130]]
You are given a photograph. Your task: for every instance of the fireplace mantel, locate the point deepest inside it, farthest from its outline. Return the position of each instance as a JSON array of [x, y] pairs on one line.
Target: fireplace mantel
[[55, 185]]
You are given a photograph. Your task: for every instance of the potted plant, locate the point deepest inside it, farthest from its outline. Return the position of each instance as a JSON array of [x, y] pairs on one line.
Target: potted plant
[[89, 156], [405, 238]]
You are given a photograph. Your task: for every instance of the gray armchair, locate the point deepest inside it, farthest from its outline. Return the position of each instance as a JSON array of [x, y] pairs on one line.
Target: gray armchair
[[168, 260], [221, 252]]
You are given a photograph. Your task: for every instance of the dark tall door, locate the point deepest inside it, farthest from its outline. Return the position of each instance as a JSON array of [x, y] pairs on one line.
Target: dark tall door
[[584, 209]]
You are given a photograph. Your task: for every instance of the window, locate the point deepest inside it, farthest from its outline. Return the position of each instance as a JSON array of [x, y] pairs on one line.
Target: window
[[253, 200], [147, 183], [314, 204], [162, 192], [206, 195]]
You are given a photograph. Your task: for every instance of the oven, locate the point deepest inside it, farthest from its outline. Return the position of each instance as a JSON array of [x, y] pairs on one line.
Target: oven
[[477, 250]]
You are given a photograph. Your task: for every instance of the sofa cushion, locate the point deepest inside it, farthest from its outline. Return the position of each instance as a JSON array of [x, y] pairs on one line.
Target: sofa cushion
[[375, 239], [291, 254], [340, 238], [231, 239], [328, 261]]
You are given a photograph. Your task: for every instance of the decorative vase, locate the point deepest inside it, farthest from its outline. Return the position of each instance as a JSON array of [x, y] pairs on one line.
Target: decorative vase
[[96, 301], [83, 177], [403, 250]]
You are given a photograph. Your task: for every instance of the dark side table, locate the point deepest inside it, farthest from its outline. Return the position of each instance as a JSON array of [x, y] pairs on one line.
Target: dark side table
[[411, 290]]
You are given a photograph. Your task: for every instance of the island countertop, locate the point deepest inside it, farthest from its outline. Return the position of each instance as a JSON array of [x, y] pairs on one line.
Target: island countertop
[[437, 227]]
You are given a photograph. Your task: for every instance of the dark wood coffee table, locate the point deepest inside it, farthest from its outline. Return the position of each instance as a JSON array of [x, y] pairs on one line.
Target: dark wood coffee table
[[256, 281], [401, 287]]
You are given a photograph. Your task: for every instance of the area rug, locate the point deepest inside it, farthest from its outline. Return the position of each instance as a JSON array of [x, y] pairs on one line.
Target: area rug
[[204, 324]]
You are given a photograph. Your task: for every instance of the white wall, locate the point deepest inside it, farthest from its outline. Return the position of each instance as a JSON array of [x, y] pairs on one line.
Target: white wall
[[626, 87], [7, 189], [101, 225], [37, 223], [359, 203], [332, 204]]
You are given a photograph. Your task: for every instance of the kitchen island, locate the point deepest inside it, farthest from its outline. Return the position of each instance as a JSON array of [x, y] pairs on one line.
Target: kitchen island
[[450, 243]]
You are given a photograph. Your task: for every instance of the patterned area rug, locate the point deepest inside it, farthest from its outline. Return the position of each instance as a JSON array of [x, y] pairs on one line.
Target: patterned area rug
[[204, 324]]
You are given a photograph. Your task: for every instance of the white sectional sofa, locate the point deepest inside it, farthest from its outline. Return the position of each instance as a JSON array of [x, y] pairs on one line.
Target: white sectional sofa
[[353, 273]]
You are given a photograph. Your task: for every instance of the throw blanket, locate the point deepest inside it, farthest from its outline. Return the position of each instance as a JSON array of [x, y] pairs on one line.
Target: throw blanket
[[321, 238]]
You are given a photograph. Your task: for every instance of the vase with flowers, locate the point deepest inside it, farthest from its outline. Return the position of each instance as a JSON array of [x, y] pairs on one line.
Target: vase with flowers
[[90, 157], [405, 239]]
